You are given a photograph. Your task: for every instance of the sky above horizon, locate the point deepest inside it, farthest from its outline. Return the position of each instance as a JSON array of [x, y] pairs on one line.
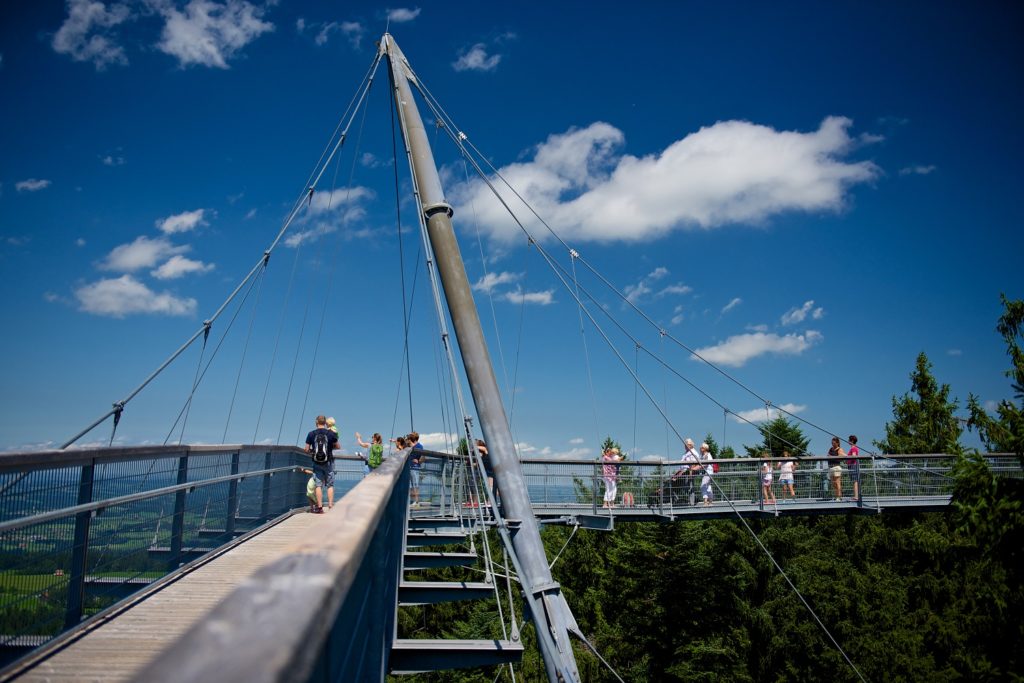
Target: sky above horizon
[[805, 195]]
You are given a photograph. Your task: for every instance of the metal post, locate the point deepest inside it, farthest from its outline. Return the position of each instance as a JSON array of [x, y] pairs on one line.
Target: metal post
[[265, 500], [229, 517], [547, 604], [80, 550], [178, 520]]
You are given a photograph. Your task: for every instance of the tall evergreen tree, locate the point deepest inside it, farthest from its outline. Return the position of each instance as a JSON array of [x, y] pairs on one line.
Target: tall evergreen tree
[[1005, 431], [923, 419], [779, 435]]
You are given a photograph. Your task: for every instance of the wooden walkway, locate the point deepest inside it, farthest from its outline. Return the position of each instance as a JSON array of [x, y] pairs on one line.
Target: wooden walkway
[[119, 648]]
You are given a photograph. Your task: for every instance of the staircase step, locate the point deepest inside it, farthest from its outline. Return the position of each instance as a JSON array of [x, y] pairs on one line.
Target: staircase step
[[417, 656], [436, 560], [419, 539], [421, 523], [431, 592]]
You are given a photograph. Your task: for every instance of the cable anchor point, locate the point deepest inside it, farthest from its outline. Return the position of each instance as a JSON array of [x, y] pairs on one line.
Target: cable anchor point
[[574, 254]]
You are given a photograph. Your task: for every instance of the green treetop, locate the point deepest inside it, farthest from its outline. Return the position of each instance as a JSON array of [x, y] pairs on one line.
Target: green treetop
[[924, 419], [779, 435], [1005, 431]]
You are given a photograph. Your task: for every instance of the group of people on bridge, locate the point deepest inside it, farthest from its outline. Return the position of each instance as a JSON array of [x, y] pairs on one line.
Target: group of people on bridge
[[700, 465]]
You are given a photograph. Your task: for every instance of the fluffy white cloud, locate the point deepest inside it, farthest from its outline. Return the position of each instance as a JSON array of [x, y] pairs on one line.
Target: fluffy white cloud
[[401, 15], [634, 293], [118, 297], [737, 350], [577, 441], [210, 33], [954, 352], [352, 30], [182, 222], [732, 304], [762, 415], [677, 315], [330, 211], [339, 198], [917, 170], [545, 298], [476, 59], [730, 172], [439, 441], [491, 280], [798, 315], [111, 160], [31, 185], [142, 253], [179, 266], [86, 35]]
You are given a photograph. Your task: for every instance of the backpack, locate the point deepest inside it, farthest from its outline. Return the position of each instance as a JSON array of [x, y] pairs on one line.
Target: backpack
[[714, 467], [321, 450], [376, 455]]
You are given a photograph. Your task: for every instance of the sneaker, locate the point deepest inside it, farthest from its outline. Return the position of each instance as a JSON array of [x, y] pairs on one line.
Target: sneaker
[[318, 510]]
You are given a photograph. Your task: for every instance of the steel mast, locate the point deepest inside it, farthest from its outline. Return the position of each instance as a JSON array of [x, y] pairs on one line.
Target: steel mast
[[551, 615]]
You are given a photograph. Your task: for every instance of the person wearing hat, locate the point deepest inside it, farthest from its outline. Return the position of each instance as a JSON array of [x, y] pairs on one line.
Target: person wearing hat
[[609, 473]]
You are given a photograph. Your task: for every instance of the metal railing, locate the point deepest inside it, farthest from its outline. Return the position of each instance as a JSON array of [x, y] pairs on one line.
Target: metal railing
[[82, 529]]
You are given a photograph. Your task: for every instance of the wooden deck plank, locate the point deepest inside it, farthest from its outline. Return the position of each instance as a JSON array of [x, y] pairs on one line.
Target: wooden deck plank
[[117, 650]]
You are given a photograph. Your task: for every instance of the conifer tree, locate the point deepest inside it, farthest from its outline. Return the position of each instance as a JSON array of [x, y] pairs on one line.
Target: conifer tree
[[1005, 431], [924, 418], [779, 435]]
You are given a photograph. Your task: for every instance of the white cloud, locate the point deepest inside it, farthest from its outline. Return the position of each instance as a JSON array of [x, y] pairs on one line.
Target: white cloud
[[118, 297], [545, 298], [142, 253], [732, 304], [737, 350], [954, 352], [250, 214], [476, 59], [210, 33], [111, 160], [634, 293], [300, 24], [798, 315], [758, 328], [577, 441], [401, 15], [917, 170], [80, 242], [370, 160], [182, 222], [677, 315], [438, 441], [762, 415], [491, 280], [678, 288], [85, 34], [179, 266], [330, 211], [31, 185], [727, 173], [339, 198]]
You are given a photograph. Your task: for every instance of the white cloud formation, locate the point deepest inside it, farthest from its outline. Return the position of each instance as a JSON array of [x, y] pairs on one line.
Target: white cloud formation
[[439, 441], [798, 315], [678, 288], [31, 185], [727, 173], [954, 352], [86, 35], [339, 198], [118, 297], [300, 25], [677, 315], [476, 59], [181, 222], [762, 415], [144, 252], [732, 304], [80, 242], [545, 298], [111, 160], [917, 170], [352, 30], [489, 281], [210, 33], [737, 350], [250, 214], [634, 293], [577, 441], [329, 211], [179, 266], [401, 15]]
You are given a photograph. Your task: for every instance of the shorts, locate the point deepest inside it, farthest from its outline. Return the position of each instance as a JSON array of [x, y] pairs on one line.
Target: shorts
[[324, 474], [855, 470], [766, 480], [835, 472], [785, 480], [415, 481]]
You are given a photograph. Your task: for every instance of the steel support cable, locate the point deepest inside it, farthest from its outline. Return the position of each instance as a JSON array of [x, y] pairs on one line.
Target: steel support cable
[[295, 359], [213, 355], [586, 351], [331, 270], [461, 136], [556, 270], [119, 406], [191, 394], [403, 364], [401, 247], [277, 340], [245, 351]]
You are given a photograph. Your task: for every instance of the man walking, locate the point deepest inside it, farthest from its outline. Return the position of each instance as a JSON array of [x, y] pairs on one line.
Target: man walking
[[320, 444]]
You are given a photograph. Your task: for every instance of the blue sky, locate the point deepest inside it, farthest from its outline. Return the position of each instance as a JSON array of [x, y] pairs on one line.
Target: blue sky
[[808, 194]]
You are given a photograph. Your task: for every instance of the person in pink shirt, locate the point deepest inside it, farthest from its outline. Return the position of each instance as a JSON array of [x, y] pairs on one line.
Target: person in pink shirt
[[610, 474]]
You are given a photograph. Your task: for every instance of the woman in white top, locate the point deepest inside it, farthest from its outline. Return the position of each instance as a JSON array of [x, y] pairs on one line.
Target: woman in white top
[[786, 475], [767, 494]]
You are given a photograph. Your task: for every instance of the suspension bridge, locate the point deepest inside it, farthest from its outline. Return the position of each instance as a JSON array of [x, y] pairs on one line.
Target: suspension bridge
[[189, 562]]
